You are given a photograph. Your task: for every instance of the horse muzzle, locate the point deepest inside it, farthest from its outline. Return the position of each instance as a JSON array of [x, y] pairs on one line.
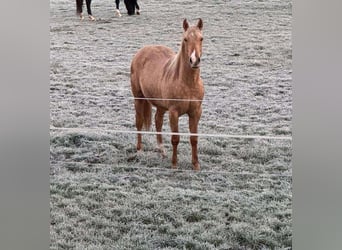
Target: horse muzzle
[[195, 62]]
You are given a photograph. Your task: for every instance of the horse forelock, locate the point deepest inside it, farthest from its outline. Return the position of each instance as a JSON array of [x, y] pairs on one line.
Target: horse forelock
[[192, 31]]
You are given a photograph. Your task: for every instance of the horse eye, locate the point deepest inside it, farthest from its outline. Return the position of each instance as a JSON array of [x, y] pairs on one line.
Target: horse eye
[[201, 39], [185, 40]]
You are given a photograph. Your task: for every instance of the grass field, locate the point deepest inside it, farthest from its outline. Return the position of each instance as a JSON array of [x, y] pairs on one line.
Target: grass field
[[106, 196]]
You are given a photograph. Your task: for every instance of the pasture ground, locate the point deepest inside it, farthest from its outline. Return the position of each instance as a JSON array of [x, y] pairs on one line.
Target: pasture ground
[[105, 196]]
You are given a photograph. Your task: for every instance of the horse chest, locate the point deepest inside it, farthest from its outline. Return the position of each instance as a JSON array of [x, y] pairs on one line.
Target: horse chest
[[184, 98]]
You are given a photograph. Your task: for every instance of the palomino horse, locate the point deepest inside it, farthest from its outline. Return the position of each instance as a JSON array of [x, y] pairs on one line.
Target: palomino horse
[[170, 82]]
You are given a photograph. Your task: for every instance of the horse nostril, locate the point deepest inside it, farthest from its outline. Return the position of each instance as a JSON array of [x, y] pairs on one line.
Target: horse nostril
[[190, 60], [199, 59]]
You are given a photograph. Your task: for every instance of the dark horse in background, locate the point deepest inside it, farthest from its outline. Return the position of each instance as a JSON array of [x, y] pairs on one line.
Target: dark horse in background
[[131, 6], [79, 9]]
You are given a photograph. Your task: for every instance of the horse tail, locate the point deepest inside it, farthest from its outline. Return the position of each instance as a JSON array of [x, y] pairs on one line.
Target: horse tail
[[147, 111]]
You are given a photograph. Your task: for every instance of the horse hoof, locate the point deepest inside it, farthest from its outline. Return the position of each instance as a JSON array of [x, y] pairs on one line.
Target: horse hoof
[[174, 167], [91, 18], [162, 151], [117, 13], [139, 153], [81, 17], [196, 167]]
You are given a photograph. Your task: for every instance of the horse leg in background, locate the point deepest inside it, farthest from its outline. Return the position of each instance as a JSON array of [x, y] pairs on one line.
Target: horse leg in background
[[79, 7], [173, 113], [193, 124], [90, 15], [130, 6], [117, 6], [137, 7], [159, 117]]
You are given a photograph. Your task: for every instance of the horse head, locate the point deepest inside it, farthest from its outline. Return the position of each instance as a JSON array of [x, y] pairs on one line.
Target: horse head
[[192, 42]]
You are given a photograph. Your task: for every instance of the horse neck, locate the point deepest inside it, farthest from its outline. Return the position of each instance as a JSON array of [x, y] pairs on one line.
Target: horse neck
[[185, 72]]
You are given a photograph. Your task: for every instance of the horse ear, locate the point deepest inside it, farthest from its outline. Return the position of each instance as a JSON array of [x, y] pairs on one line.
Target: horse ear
[[200, 24], [185, 24]]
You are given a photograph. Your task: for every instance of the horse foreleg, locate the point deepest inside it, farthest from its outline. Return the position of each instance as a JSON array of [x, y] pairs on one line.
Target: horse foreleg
[[174, 138], [193, 124], [159, 124]]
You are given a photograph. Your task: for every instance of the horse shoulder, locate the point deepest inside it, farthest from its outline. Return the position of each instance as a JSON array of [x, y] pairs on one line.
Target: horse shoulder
[[201, 86]]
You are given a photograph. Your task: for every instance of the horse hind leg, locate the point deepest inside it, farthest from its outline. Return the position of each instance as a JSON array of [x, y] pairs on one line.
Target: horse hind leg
[[159, 124], [143, 113], [139, 121]]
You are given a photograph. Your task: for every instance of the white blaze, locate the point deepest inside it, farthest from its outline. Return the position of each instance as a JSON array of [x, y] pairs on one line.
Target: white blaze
[[193, 56]]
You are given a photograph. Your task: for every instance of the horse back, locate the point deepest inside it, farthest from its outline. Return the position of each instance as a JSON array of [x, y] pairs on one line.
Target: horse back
[[151, 57]]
